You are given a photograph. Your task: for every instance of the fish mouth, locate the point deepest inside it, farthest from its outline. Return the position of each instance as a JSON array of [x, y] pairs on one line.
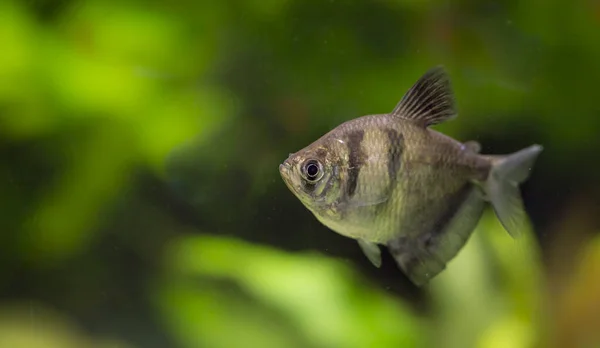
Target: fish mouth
[[285, 166], [285, 170]]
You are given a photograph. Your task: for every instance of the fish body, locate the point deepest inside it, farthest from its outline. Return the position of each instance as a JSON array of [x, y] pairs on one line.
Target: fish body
[[389, 179]]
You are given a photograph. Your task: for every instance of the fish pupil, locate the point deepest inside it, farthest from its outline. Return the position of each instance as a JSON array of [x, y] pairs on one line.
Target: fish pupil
[[312, 170]]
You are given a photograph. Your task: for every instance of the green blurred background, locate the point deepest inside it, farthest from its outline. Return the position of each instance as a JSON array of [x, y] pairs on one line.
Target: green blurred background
[[141, 205]]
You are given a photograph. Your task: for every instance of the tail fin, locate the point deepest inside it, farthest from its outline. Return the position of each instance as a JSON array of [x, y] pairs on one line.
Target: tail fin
[[502, 186]]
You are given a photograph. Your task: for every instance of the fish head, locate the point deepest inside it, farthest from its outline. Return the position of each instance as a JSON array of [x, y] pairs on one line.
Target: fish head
[[312, 174]]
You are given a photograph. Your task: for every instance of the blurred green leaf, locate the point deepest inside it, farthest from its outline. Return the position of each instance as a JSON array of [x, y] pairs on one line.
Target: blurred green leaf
[[577, 308], [493, 286], [329, 304], [35, 326]]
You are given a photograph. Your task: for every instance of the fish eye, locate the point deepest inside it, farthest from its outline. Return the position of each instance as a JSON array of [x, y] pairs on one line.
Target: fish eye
[[313, 170]]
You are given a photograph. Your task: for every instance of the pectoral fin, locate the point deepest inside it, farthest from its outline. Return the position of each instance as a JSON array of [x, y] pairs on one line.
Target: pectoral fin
[[371, 251]]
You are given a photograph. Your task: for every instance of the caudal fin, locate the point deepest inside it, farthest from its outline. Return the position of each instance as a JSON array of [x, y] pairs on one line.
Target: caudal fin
[[502, 186]]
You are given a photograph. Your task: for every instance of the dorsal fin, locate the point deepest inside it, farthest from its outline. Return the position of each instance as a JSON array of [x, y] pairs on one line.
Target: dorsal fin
[[429, 101]]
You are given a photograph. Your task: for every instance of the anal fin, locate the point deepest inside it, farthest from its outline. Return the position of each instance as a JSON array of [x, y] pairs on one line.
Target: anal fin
[[424, 255], [416, 262]]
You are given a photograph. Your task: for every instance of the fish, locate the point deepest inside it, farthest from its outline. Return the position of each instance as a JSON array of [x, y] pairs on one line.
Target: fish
[[390, 180]]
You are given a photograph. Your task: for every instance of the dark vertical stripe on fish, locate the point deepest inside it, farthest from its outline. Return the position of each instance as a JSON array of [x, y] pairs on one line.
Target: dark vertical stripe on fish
[[396, 147], [453, 206], [355, 160]]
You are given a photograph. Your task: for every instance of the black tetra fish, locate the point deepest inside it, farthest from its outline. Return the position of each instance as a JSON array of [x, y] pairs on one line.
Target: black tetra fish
[[389, 179]]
